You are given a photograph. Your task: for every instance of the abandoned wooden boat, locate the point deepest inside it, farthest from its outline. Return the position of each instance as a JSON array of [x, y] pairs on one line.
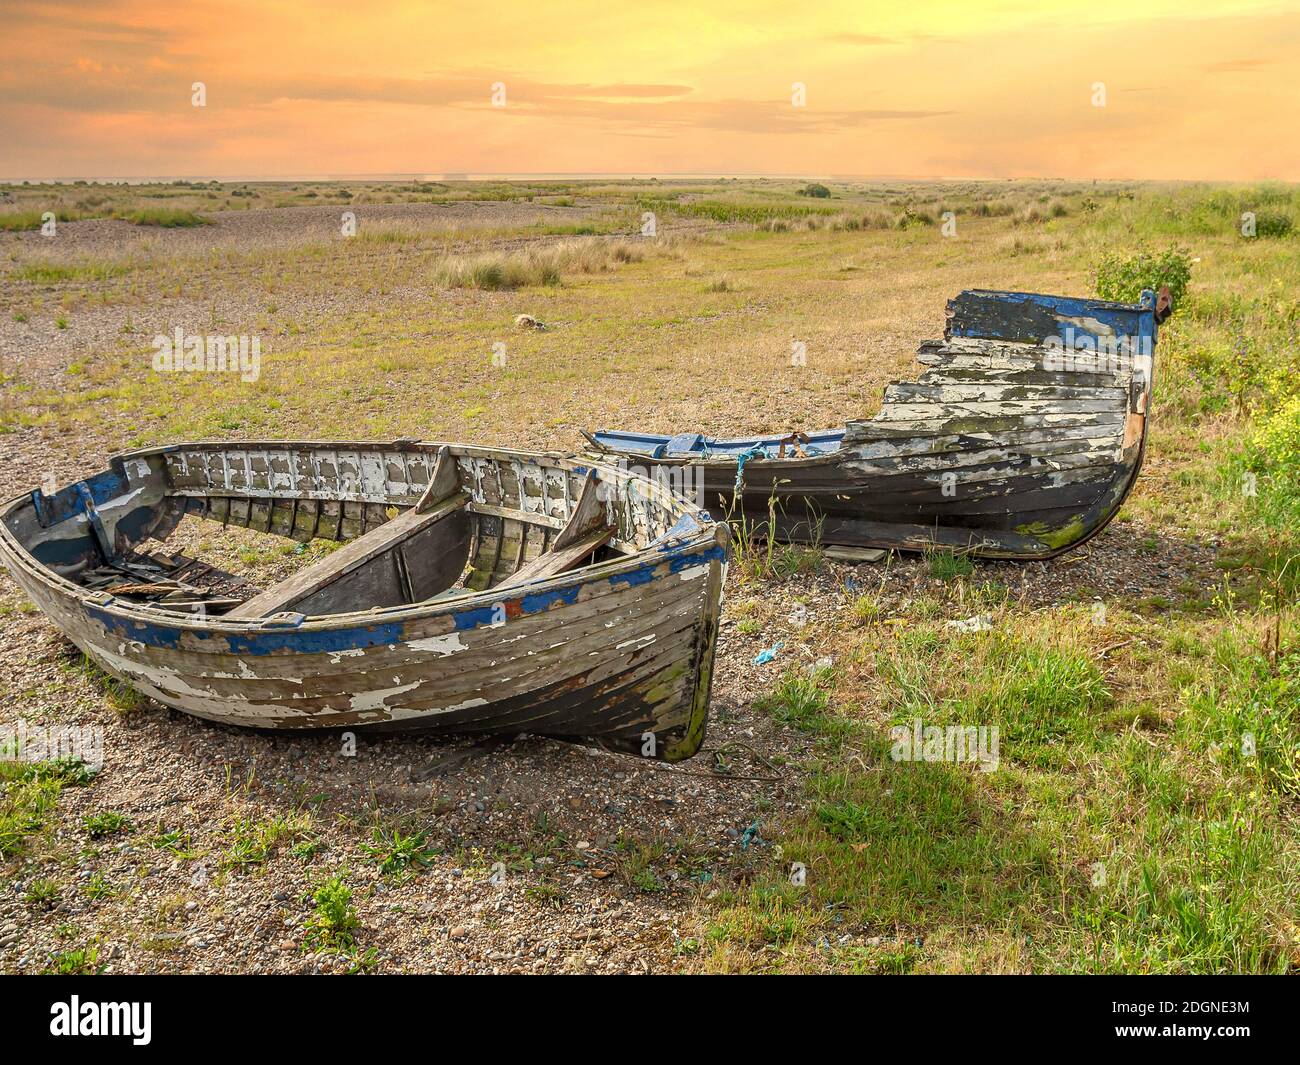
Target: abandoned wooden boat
[[1021, 441], [475, 591]]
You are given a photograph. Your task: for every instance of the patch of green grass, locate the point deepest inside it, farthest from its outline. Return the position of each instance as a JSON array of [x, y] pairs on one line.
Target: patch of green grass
[[729, 211], [52, 273], [1169, 898], [42, 894], [760, 559], [550, 895], [107, 823], [67, 769], [533, 267], [81, 962], [795, 560], [1246, 713], [879, 961], [166, 217], [802, 700], [866, 610], [397, 852], [648, 881], [637, 863], [255, 841], [99, 887], [28, 793], [17, 221], [23, 806], [176, 840], [306, 850], [1043, 696], [948, 566], [121, 696], [911, 844]]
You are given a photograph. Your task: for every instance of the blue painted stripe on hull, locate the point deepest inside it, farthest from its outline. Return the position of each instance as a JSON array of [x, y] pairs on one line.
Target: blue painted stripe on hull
[[276, 641]]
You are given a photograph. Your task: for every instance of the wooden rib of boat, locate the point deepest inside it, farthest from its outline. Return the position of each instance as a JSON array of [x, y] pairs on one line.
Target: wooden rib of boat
[[474, 591], [1020, 441]]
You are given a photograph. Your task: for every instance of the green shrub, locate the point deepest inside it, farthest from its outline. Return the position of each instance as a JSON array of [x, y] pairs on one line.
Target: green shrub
[[1274, 454], [1123, 277], [333, 923], [914, 217], [821, 192], [1278, 439], [167, 217], [1273, 224], [13, 221]]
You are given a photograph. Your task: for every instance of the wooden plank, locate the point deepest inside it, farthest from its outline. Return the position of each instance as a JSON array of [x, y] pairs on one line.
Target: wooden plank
[[588, 515], [999, 391], [559, 559], [347, 559], [510, 557], [487, 549], [444, 483], [527, 516], [914, 410], [1030, 316], [421, 567]]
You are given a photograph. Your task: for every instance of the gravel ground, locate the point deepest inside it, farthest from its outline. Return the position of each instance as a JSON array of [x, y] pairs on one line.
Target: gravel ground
[[279, 228], [573, 826], [565, 819], [609, 862]]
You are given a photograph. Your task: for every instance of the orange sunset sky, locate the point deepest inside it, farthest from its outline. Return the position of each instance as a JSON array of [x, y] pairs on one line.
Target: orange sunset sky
[[927, 88]]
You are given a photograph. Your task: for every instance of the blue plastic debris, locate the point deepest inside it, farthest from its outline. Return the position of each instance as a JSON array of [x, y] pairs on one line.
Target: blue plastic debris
[[750, 835], [768, 653]]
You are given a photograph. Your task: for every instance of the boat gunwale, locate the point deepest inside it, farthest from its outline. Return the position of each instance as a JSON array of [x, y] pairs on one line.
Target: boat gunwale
[[707, 536]]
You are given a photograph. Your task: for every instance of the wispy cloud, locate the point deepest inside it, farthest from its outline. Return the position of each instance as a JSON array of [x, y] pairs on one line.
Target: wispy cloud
[[864, 39], [934, 86], [1237, 66]]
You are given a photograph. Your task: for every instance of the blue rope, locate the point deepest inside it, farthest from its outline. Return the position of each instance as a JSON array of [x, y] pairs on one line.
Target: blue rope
[[758, 451]]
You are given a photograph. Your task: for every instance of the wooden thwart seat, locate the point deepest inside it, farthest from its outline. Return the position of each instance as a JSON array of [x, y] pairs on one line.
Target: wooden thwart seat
[[307, 590], [405, 560]]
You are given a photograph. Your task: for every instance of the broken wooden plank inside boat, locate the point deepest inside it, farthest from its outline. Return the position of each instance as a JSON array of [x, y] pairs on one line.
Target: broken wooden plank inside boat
[[1020, 441], [474, 590]]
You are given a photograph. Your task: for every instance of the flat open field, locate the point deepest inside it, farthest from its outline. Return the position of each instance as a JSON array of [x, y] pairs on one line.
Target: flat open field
[[1143, 817]]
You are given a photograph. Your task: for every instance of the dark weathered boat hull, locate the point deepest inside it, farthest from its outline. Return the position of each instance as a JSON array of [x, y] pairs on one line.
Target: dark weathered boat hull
[[1011, 446], [618, 653]]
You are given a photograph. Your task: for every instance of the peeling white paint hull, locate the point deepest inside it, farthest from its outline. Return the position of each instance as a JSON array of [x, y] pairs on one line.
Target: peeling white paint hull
[[616, 652], [1020, 440]]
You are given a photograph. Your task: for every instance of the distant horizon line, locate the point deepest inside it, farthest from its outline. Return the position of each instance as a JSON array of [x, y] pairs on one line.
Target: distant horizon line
[[472, 176]]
